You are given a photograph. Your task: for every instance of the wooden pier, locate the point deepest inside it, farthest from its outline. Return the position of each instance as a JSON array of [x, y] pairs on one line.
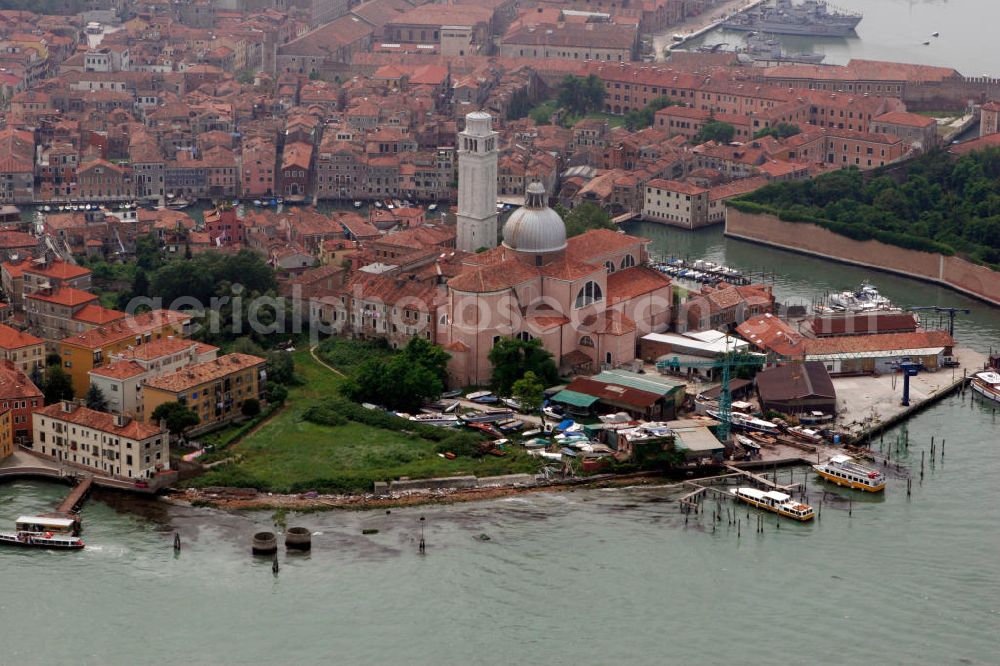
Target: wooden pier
[[76, 497], [764, 481]]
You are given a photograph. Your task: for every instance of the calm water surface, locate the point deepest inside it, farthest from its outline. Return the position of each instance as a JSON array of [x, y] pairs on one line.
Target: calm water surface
[[590, 577], [895, 30]]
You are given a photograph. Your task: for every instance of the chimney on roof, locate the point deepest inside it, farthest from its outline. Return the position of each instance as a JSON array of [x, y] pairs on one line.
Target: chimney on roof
[[67, 406]]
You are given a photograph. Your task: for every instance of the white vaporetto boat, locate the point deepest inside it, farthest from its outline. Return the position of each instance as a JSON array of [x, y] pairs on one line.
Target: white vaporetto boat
[[843, 471], [775, 502]]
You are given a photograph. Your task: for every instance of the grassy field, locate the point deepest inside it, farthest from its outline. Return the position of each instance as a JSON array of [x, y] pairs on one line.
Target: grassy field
[[290, 454]]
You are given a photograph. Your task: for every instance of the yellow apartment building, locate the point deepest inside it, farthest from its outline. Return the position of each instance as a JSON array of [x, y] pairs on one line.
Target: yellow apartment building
[[215, 390], [93, 349]]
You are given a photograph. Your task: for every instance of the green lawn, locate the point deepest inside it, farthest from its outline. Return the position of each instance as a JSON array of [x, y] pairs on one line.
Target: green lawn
[[290, 454]]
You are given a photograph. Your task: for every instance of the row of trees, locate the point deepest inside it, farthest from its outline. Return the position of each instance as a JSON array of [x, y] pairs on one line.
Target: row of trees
[[951, 204]]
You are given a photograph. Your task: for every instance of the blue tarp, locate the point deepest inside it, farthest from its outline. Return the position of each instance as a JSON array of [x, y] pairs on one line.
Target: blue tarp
[[568, 423]]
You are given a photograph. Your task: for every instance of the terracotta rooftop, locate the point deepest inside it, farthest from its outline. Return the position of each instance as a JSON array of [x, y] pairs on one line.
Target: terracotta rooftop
[[66, 296], [493, 277], [88, 418], [195, 375], [92, 313], [16, 384], [122, 369], [597, 243], [11, 338], [879, 343], [632, 282], [60, 270], [124, 329], [906, 119]]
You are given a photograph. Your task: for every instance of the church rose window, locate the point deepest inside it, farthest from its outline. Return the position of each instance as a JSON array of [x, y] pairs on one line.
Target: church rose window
[[589, 293]]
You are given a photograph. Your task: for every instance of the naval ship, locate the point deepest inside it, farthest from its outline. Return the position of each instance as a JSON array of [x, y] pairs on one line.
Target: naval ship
[[812, 18]]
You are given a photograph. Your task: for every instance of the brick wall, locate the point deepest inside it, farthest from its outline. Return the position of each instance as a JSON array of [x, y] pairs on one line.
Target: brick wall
[[954, 272]]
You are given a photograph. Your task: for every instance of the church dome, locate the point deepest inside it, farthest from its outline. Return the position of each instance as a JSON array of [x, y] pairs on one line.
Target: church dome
[[535, 228]]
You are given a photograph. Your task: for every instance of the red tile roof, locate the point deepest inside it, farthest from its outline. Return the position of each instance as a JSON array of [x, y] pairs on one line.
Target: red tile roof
[[119, 370], [195, 375], [14, 384], [906, 119], [67, 296], [124, 329], [11, 338], [60, 270], [632, 282], [88, 418], [93, 313], [885, 342], [493, 277], [597, 243]]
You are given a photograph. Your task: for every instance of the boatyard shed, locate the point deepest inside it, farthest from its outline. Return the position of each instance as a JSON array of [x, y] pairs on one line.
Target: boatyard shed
[[642, 396], [797, 388], [880, 354], [695, 440]]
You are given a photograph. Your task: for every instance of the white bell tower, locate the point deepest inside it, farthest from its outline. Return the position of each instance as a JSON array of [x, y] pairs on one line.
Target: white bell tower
[[477, 183]]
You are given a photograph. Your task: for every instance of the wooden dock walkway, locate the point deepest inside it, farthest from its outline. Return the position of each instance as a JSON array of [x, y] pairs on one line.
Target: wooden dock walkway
[[762, 480], [76, 497]]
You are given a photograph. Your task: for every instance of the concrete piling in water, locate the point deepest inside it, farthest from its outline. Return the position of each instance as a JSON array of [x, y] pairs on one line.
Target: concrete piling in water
[[298, 538], [177, 542], [274, 563], [265, 543]]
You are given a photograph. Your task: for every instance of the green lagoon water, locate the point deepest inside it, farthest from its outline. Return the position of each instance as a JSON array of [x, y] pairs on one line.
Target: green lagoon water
[[587, 577]]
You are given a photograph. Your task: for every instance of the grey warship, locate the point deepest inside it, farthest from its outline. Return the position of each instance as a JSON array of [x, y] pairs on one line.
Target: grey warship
[[812, 18]]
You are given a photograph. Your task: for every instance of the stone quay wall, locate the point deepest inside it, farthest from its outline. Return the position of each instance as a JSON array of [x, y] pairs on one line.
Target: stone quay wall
[[972, 279]]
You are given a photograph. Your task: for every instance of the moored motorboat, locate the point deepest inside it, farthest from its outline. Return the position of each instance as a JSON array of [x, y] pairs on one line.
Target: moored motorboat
[[775, 502], [843, 471], [987, 384]]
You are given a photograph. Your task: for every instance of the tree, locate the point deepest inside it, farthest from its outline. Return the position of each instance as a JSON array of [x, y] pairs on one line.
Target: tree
[[250, 407], [779, 131], [51, 359], [715, 130], [406, 381], [140, 284], [512, 358], [581, 95], [276, 393], [585, 217], [95, 399], [529, 392], [177, 417], [147, 252], [640, 118], [245, 76], [58, 385], [280, 368]]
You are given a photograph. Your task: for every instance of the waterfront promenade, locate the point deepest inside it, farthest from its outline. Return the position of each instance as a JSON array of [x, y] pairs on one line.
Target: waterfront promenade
[[693, 26]]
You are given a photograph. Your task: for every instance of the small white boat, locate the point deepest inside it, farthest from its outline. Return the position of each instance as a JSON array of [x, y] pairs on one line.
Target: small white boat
[[476, 395], [987, 384], [433, 207], [442, 420]]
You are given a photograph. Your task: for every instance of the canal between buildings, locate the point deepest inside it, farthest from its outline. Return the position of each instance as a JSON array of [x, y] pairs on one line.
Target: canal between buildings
[[587, 577]]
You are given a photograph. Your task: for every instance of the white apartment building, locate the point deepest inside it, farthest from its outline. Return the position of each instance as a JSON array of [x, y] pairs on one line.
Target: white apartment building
[[109, 444]]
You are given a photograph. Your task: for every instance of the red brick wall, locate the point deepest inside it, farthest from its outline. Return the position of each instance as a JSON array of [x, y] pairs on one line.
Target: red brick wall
[[951, 271]]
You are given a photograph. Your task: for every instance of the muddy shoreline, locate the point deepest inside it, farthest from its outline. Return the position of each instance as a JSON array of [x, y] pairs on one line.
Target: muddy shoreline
[[238, 499]]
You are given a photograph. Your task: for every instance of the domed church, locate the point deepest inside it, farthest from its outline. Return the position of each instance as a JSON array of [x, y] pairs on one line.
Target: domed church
[[587, 298]]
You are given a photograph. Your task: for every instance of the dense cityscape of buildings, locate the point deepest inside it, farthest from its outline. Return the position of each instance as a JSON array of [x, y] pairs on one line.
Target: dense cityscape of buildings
[[423, 107]]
